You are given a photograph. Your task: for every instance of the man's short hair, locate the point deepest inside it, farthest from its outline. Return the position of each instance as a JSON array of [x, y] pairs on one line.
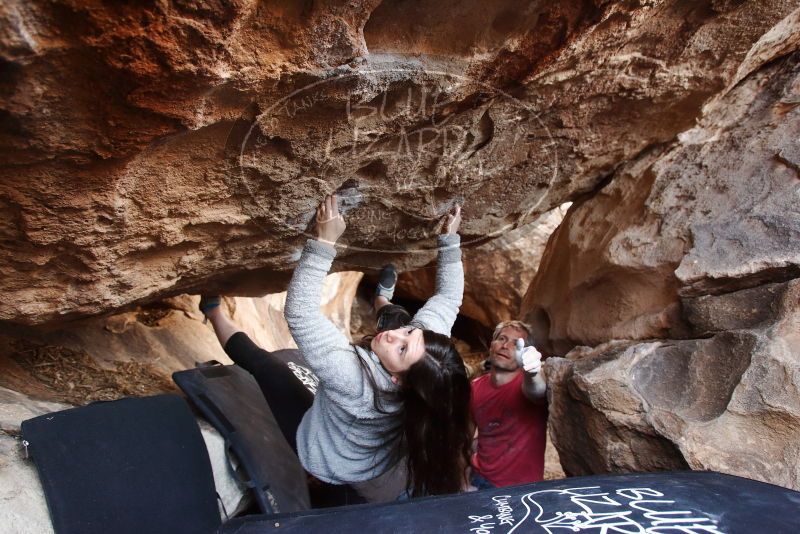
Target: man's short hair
[[525, 327]]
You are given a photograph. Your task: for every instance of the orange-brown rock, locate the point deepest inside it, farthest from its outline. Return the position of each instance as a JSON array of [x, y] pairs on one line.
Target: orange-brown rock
[[714, 212], [674, 293], [727, 403], [150, 150], [135, 353]]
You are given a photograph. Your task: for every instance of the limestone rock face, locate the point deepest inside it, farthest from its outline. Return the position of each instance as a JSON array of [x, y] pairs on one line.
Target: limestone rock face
[[729, 402], [715, 212], [150, 150], [135, 353], [673, 293]]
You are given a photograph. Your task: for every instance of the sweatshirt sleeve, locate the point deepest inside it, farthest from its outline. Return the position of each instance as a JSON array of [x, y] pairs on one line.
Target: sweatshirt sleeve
[[326, 350], [439, 312]]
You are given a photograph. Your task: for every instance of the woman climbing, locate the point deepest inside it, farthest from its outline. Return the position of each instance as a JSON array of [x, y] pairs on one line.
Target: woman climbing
[[391, 413]]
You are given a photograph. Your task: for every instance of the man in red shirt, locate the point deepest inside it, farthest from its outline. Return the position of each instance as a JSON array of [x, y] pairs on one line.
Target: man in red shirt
[[509, 408]]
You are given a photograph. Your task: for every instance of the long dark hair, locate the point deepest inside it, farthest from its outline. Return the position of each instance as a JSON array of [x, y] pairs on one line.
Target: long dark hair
[[436, 420], [436, 430]]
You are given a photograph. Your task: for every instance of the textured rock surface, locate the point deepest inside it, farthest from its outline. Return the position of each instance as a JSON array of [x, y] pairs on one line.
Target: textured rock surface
[[729, 402], [716, 212], [24, 510], [147, 151], [151, 150], [675, 289], [135, 353]]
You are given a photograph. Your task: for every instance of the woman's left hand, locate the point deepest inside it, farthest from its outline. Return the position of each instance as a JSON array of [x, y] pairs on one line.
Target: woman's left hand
[[330, 224], [452, 220]]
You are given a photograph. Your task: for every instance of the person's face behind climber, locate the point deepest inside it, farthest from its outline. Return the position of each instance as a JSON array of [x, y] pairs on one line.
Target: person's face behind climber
[[502, 349]]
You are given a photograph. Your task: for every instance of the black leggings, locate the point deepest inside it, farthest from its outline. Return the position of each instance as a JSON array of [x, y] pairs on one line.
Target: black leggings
[[288, 399], [286, 395]]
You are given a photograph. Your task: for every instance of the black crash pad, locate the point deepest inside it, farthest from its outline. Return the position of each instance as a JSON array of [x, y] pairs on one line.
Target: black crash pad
[[230, 399], [688, 502], [129, 466], [293, 358]]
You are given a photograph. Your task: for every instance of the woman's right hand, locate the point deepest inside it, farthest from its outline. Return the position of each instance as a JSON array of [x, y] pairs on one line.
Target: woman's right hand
[[330, 224], [452, 220]]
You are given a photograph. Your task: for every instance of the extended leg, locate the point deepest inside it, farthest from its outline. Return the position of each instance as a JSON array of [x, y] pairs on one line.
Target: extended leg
[[388, 316], [285, 394], [224, 328], [384, 291]]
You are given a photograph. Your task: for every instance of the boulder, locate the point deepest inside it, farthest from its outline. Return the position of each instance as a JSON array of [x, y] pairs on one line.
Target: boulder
[[135, 353], [729, 402], [672, 293], [151, 150], [714, 212], [154, 150]]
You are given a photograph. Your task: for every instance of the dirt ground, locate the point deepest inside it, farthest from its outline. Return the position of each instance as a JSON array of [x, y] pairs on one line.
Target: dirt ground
[[74, 377]]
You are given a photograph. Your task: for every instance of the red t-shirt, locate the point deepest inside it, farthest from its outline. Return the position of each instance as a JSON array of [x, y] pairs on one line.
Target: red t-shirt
[[512, 433]]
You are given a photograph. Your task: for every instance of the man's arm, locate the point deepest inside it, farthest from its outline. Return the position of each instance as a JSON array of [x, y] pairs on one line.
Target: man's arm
[[534, 386]]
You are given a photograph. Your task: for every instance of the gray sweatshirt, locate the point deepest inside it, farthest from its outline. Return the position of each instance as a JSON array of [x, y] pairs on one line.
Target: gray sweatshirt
[[342, 436]]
